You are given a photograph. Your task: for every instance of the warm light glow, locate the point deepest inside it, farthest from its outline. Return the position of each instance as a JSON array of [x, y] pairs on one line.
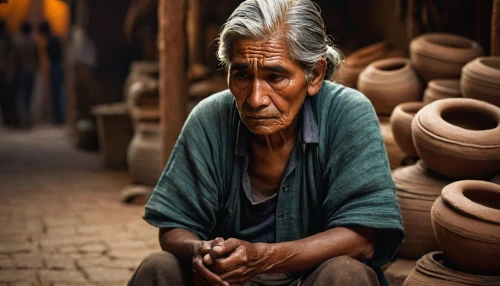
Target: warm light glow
[[14, 13], [56, 12]]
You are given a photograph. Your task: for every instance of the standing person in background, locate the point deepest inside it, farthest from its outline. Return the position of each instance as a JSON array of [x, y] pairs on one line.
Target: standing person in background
[[26, 59], [7, 103], [54, 52]]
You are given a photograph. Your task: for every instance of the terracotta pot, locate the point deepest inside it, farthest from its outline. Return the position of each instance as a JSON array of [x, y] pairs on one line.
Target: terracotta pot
[[114, 127], [143, 91], [141, 68], [143, 156], [466, 221], [440, 89], [388, 83], [481, 79], [401, 119], [394, 154], [432, 270], [459, 138], [145, 114], [417, 188], [442, 56]]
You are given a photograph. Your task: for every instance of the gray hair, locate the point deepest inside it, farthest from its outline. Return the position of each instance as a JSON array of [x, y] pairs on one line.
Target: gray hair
[[299, 22]]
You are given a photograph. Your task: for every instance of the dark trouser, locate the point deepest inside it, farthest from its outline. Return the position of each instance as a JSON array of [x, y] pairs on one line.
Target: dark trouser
[[24, 94], [162, 268], [56, 87]]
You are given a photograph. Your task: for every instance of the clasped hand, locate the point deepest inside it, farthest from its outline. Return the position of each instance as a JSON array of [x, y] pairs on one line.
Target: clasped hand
[[226, 262]]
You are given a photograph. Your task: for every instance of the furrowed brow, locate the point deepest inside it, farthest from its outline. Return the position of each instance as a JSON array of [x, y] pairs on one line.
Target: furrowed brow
[[239, 66], [276, 69]]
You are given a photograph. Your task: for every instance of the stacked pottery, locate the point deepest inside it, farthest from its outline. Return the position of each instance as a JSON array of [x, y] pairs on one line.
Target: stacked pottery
[[395, 155], [442, 56], [459, 138], [466, 221], [139, 69], [417, 188], [431, 269], [356, 62], [389, 82], [401, 119], [440, 89], [481, 79]]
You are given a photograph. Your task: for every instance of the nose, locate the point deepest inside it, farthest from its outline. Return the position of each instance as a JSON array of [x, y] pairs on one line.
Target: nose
[[258, 96]]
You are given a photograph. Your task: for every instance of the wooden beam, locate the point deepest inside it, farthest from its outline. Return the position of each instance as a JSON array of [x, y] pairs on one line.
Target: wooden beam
[[495, 29], [173, 82]]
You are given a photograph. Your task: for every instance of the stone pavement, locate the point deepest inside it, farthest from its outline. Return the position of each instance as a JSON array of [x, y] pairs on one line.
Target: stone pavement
[[61, 220]]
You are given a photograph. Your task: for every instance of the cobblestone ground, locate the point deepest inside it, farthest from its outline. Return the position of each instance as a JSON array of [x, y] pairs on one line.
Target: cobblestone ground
[[61, 220]]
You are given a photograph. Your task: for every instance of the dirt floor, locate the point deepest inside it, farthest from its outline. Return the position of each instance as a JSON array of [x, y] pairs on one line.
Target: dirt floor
[[61, 220]]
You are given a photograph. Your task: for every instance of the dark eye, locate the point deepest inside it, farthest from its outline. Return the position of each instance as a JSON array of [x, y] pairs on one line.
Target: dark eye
[[241, 75], [276, 77]]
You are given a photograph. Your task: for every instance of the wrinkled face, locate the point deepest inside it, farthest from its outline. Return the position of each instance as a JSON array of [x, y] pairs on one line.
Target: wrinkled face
[[269, 86]]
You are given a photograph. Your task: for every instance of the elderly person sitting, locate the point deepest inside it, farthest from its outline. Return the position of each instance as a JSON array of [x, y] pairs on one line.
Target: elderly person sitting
[[281, 180]]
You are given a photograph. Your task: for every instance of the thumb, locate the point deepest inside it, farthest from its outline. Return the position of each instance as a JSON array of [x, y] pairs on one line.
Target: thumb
[[225, 247]]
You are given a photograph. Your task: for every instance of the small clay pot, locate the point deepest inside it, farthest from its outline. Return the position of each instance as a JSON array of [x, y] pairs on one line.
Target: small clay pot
[[459, 138], [394, 154], [432, 270], [138, 69], [440, 89], [401, 119], [466, 221], [143, 155], [143, 91], [388, 83], [417, 188], [145, 114], [442, 56], [481, 79]]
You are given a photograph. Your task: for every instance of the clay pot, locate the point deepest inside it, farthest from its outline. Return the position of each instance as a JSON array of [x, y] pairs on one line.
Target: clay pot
[[395, 155], [400, 120], [145, 114], [481, 79], [417, 188], [440, 89], [459, 138], [143, 91], [388, 83], [141, 68], [442, 56], [114, 127], [466, 221], [143, 156], [432, 270]]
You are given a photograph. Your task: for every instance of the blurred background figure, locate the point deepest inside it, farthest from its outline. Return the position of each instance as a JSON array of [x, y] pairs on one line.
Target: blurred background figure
[[26, 63], [7, 101], [56, 73]]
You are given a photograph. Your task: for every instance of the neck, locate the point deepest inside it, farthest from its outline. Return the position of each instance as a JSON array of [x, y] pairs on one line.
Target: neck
[[279, 138]]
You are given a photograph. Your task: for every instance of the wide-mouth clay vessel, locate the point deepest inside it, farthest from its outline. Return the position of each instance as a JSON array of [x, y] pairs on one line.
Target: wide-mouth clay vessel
[[481, 79], [466, 222], [432, 270], [440, 89], [401, 119], [459, 138], [441, 55]]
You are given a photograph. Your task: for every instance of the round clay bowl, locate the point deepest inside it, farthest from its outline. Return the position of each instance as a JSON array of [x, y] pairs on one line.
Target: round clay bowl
[[416, 189], [466, 222], [431, 270], [481, 79], [401, 119], [442, 56], [389, 82], [440, 89], [394, 154], [459, 138]]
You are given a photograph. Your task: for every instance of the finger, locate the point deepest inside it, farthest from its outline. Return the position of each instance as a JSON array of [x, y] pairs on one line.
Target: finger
[[204, 272], [236, 276], [225, 247], [208, 260], [205, 247], [216, 241]]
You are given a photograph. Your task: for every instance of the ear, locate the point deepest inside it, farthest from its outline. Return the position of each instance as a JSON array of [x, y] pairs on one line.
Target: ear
[[318, 73]]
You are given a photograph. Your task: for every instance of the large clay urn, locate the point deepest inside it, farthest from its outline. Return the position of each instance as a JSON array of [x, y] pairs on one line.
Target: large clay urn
[[401, 119], [143, 156], [389, 82], [395, 155], [481, 79], [466, 221], [440, 89], [417, 188], [432, 270], [442, 56], [459, 138]]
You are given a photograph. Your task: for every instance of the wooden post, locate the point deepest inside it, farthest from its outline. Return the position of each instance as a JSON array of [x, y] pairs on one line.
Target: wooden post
[[194, 32], [173, 82], [495, 29]]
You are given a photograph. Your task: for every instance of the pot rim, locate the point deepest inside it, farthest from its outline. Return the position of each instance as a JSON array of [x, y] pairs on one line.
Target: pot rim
[[360, 58], [449, 86], [374, 74], [435, 42], [429, 120], [403, 108], [453, 194], [479, 70]]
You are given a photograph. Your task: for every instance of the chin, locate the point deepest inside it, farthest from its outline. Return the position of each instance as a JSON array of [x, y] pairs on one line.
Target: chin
[[262, 129]]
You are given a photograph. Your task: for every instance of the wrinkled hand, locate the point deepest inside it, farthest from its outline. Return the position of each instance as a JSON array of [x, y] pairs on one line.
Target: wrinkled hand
[[202, 276], [236, 261]]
